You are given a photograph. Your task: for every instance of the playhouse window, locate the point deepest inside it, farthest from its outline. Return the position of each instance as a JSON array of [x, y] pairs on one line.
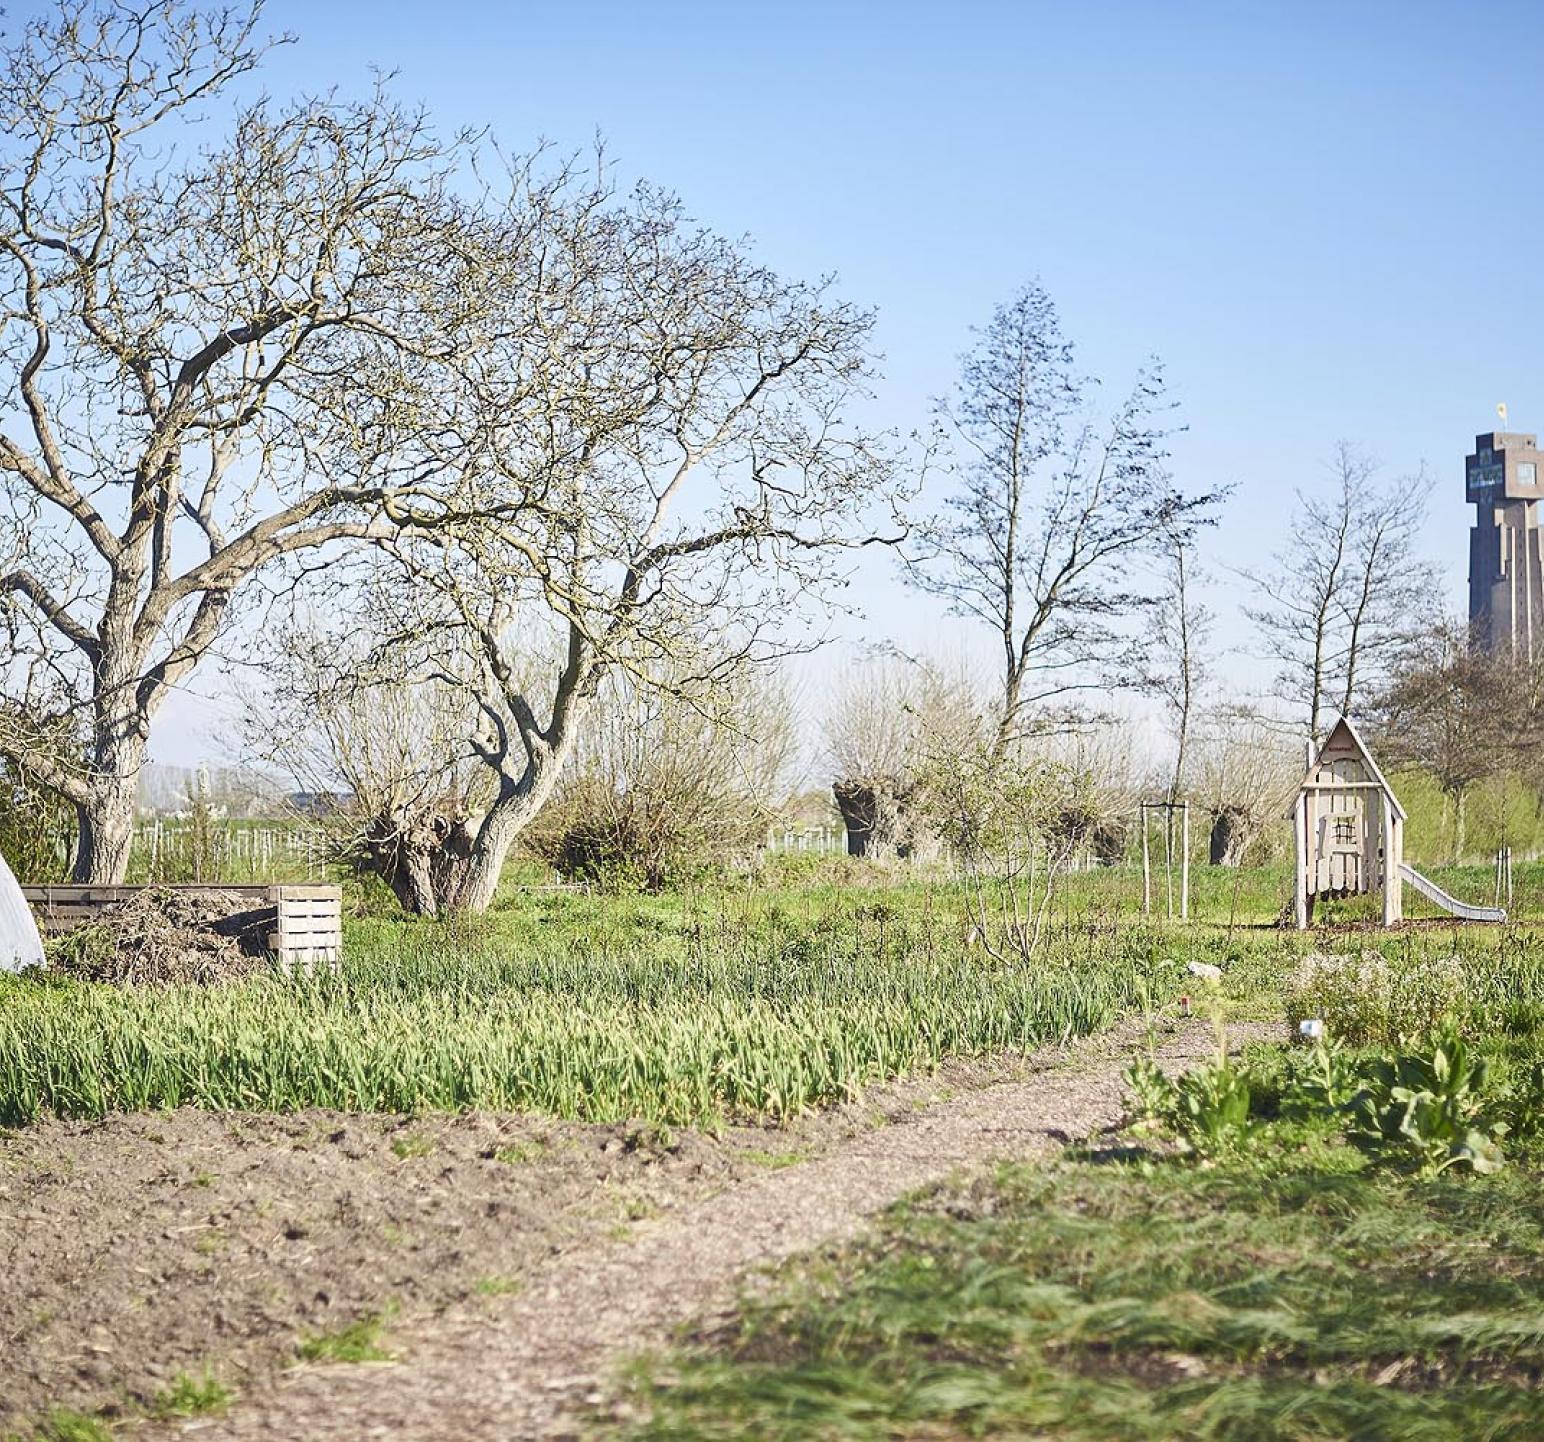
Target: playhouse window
[[1345, 830]]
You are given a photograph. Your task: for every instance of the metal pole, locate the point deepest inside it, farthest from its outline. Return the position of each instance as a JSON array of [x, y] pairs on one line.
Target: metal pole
[[1184, 862], [1147, 872]]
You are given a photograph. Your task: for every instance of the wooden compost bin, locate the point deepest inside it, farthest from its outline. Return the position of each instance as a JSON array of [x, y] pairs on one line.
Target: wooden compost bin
[[301, 925]]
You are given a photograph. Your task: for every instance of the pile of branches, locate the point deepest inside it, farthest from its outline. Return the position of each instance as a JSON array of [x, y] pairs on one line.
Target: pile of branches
[[160, 936]]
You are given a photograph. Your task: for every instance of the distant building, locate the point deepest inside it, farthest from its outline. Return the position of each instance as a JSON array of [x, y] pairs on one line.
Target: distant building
[[1504, 479]]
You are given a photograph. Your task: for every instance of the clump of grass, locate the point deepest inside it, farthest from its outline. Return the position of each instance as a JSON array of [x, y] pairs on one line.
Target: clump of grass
[[411, 1145], [499, 1286], [201, 1396], [773, 1161], [63, 1424], [358, 1341], [519, 1154]]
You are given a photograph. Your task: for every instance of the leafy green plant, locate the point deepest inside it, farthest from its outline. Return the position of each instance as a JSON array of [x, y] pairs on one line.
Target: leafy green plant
[[1320, 1081], [1211, 1105], [1208, 1107], [1151, 1092], [1521, 1104], [1429, 1105]]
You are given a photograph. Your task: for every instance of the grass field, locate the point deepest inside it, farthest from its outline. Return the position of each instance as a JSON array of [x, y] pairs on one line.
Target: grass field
[[676, 1009], [1279, 1283], [1269, 1267], [1278, 1298]]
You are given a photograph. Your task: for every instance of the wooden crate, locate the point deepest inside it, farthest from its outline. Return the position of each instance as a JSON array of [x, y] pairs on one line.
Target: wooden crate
[[301, 925], [309, 925]]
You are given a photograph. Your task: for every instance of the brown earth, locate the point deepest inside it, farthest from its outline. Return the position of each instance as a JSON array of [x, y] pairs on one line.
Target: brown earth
[[147, 1245], [519, 1259]]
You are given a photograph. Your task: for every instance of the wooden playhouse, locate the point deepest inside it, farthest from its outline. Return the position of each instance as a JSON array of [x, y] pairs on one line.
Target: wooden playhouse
[[1348, 832]]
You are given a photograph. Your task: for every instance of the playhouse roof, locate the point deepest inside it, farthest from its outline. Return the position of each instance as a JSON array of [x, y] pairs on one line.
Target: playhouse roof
[[1341, 732]]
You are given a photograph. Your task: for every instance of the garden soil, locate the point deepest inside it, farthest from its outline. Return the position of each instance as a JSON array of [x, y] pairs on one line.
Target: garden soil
[[516, 1260]]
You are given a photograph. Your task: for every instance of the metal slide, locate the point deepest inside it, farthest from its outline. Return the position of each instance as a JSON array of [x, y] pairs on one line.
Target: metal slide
[[1461, 909]]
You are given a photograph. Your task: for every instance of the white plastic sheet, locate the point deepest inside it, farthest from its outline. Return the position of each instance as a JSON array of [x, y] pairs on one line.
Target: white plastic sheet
[[20, 944]]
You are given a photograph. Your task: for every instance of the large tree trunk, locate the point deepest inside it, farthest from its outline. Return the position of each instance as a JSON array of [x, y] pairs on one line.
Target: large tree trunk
[[872, 811], [451, 863], [105, 831], [120, 732], [1230, 836]]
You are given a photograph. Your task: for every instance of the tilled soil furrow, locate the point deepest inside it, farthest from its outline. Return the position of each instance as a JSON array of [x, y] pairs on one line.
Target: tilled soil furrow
[[528, 1369]]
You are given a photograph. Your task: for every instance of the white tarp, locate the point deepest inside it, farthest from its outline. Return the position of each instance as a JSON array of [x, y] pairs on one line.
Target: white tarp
[[20, 944]]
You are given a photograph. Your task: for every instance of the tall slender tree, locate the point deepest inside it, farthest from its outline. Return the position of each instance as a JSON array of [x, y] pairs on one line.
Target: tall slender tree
[[1048, 514], [1345, 590]]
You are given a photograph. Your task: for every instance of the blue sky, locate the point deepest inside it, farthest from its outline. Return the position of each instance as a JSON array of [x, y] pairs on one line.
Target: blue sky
[[1325, 218]]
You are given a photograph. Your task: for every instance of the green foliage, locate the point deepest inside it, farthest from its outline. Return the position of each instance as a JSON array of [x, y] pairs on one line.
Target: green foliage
[[1323, 1082], [1431, 1106], [1500, 810], [64, 1424], [1098, 1302], [37, 827], [1520, 1108], [191, 1397], [1211, 1106], [1370, 998], [600, 1008], [1428, 1104], [1208, 1107], [1151, 1090], [359, 1341]]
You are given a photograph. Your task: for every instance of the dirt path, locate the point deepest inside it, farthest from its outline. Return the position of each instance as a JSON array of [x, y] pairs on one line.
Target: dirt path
[[525, 1370]]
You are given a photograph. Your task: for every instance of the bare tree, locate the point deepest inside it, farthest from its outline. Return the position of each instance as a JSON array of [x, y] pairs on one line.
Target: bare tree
[[1014, 822], [379, 755], [1343, 591], [641, 462], [660, 788], [191, 322], [1049, 515], [1245, 778], [1172, 660]]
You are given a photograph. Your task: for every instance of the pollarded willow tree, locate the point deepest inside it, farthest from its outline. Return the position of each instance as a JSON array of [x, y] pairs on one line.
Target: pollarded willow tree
[[203, 323], [642, 467], [1051, 518]]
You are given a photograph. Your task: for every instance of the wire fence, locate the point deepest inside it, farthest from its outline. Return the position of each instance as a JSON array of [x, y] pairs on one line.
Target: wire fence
[[171, 849]]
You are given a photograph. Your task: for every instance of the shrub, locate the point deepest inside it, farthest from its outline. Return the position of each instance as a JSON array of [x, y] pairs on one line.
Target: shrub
[[1368, 1000], [1208, 1107]]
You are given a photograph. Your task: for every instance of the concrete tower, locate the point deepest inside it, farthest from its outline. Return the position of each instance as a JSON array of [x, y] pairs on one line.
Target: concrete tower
[[1504, 478]]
